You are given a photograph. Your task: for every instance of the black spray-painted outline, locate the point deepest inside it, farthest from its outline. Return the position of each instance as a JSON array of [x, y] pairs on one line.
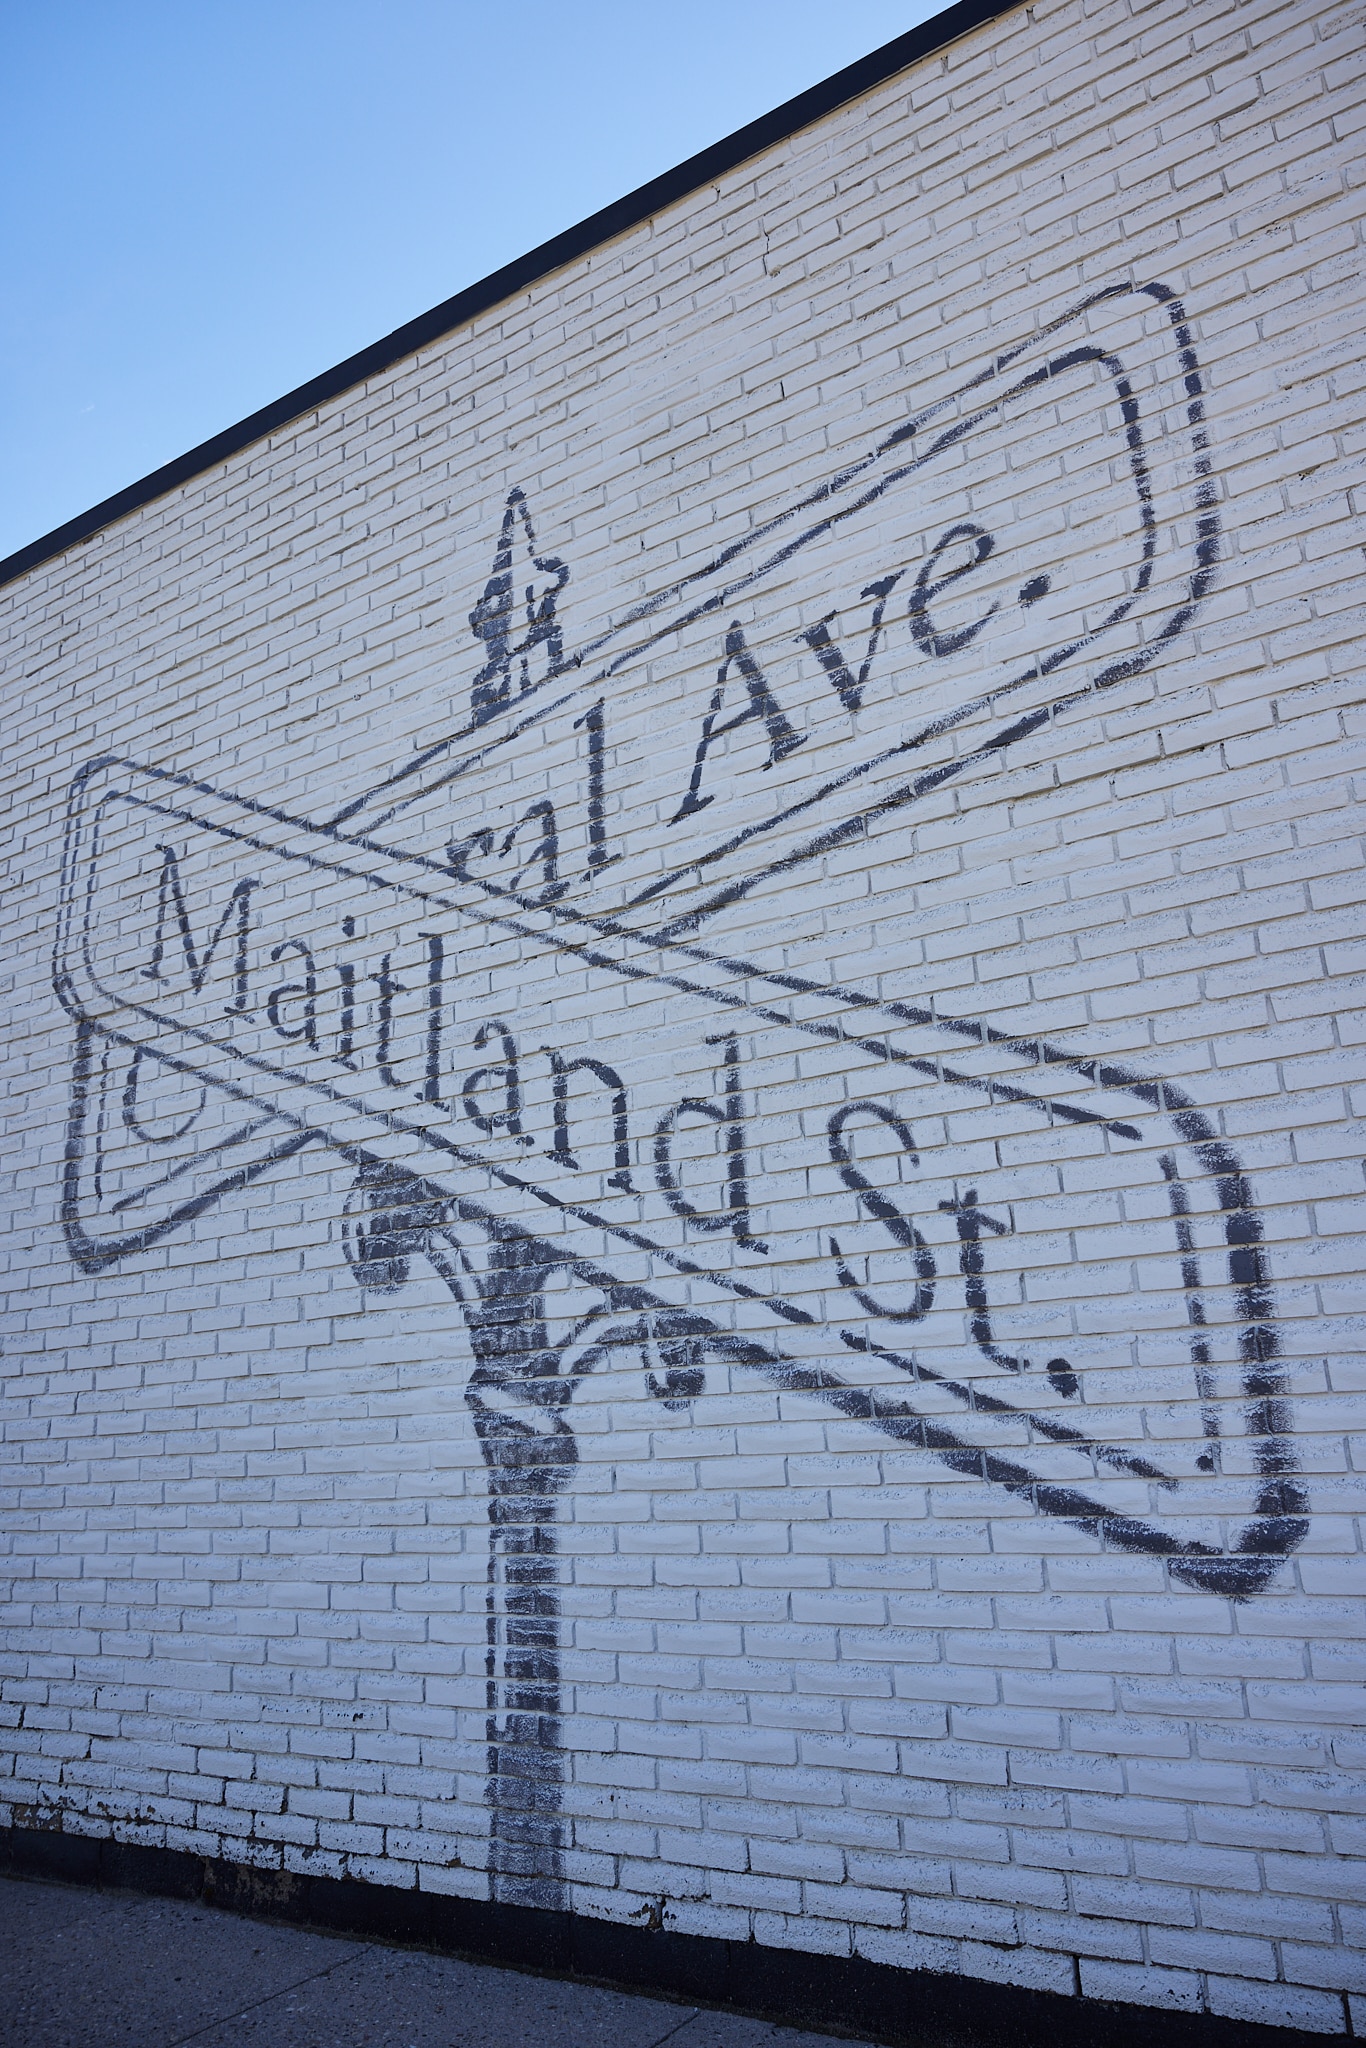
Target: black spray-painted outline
[[1242, 1228], [607, 928], [531, 1860], [1205, 557]]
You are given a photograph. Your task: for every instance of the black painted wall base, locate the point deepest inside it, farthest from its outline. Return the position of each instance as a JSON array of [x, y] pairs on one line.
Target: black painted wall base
[[903, 2008]]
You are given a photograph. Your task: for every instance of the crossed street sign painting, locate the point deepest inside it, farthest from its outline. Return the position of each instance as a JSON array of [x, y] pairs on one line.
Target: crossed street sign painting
[[566, 994]]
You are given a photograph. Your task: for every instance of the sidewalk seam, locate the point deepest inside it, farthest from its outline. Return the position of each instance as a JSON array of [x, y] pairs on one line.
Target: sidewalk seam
[[674, 2031], [225, 2019]]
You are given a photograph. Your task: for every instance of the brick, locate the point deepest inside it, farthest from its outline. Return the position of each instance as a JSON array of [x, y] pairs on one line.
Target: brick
[[1134, 1984], [1035, 990]]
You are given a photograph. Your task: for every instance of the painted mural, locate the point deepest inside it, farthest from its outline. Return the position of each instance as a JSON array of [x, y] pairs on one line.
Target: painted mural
[[560, 994]]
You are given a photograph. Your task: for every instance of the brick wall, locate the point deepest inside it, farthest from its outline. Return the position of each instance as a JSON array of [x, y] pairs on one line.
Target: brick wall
[[685, 1210]]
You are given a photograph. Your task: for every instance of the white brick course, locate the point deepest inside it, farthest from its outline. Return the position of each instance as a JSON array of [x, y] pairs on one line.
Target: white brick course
[[816, 1683]]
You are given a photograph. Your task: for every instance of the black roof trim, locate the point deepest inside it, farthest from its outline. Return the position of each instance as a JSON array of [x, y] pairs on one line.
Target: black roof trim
[[600, 227]]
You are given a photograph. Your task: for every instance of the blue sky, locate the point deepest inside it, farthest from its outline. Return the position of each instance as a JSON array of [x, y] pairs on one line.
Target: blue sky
[[207, 201]]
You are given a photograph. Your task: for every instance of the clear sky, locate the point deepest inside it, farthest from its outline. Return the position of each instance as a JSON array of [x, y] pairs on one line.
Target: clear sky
[[207, 201]]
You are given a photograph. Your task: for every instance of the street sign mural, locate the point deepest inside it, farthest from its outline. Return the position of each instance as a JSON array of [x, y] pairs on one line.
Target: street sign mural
[[589, 998]]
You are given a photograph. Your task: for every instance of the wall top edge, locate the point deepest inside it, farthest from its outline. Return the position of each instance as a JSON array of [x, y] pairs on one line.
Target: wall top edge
[[500, 285]]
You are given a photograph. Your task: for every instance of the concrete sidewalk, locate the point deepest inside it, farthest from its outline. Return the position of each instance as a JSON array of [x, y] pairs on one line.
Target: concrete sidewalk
[[88, 1969]]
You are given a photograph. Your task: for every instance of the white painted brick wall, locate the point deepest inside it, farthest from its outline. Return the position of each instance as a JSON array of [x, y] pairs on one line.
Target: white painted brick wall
[[816, 1684]]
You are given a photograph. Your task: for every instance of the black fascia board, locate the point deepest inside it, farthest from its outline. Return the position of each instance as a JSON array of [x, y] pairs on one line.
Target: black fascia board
[[562, 249]]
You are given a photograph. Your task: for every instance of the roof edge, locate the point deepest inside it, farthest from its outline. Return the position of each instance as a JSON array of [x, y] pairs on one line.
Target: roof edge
[[502, 284]]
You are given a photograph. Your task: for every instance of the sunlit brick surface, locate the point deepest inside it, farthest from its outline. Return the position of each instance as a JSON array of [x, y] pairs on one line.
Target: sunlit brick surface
[[685, 1206]]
